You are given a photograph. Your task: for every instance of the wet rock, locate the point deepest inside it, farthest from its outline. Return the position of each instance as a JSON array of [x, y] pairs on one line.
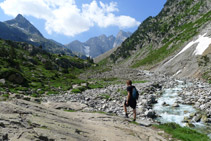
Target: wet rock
[[150, 114], [186, 119], [190, 125], [204, 118], [175, 105], [197, 118], [165, 104]]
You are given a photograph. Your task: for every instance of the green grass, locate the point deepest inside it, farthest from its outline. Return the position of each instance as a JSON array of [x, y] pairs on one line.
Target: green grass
[[100, 112], [105, 96], [70, 110], [6, 95], [52, 92], [134, 122], [182, 133], [95, 86], [76, 90]]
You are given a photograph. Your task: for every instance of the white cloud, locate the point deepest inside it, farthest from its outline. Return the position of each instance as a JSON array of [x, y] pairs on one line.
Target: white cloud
[[64, 17]]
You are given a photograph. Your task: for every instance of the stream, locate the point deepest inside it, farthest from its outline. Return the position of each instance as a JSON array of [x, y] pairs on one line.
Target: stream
[[169, 113]]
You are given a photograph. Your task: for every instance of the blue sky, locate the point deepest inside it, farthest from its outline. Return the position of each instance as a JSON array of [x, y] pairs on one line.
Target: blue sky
[[68, 20]]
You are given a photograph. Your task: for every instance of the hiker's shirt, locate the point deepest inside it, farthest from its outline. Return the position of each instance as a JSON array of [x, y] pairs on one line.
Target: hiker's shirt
[[130, 90]]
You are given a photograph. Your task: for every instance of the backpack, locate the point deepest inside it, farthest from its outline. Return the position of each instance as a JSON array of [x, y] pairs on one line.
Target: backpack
[[135, 93]]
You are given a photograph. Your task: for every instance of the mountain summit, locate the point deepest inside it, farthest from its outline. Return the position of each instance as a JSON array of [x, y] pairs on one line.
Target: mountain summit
[[23, 24], [20, 29]]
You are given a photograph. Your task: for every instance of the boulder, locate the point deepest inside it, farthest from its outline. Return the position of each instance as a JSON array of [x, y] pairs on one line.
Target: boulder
[[2, 81], [175, 105], [165, 104], [204, 118], [145, 123], [197, 118], [150, 114]]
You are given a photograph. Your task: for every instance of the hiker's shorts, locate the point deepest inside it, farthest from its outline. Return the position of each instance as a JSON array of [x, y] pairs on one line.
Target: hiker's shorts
[[131, 103]]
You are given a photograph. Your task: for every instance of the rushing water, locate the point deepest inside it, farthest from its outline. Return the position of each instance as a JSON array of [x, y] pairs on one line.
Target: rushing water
[[176, 114]]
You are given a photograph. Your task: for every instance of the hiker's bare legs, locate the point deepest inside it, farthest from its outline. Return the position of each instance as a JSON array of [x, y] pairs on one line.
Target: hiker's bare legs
[[125, 108], [134, 114]]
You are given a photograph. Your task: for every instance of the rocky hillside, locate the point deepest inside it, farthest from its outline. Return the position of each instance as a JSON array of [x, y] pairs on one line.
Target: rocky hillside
[[20, 29], [160, 38], [98, 45], [32, 71]]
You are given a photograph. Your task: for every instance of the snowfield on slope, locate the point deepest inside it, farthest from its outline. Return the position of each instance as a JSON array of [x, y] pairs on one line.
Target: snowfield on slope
[[202, 44]]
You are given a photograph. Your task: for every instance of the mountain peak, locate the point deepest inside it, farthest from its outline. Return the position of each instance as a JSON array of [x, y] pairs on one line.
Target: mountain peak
[[20, 17], [22, 23]]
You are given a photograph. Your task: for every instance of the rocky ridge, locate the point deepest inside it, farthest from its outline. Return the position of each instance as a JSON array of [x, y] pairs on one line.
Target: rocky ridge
[[96, 46]]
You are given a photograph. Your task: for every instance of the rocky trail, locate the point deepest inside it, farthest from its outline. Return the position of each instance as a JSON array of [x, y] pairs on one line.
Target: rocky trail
[[21, 120]]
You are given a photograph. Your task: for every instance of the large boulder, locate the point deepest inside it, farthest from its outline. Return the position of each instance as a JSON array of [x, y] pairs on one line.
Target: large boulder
[[150, 114], [2, 81]]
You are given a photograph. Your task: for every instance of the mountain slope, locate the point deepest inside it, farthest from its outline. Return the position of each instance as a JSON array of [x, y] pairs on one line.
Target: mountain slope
[[27, 68], [20, 29], [157, 38], [98, 45]]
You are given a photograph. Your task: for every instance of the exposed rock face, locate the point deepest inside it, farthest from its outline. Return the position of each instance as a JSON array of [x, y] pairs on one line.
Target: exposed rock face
[[23, 120]]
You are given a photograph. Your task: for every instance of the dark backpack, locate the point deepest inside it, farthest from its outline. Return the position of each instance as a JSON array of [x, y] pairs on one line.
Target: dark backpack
[[135, 93]]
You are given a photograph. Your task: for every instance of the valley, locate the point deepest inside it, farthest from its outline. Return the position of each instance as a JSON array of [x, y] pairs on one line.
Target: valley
[[51, 92]]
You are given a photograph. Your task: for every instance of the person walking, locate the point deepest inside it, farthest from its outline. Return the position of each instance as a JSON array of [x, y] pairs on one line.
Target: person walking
[[131, 99]]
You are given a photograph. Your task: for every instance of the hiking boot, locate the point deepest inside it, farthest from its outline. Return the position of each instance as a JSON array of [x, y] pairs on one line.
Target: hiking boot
[[126, 115]]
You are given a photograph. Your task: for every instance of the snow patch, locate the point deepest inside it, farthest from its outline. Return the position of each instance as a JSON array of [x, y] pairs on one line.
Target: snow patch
[[87, 51], [203, 43], [31, 39]]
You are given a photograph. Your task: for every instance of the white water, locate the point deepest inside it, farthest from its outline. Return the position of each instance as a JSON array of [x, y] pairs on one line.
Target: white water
[[176, 114]]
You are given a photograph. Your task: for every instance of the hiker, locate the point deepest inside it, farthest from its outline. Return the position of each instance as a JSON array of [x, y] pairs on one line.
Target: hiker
[[131, 99]]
